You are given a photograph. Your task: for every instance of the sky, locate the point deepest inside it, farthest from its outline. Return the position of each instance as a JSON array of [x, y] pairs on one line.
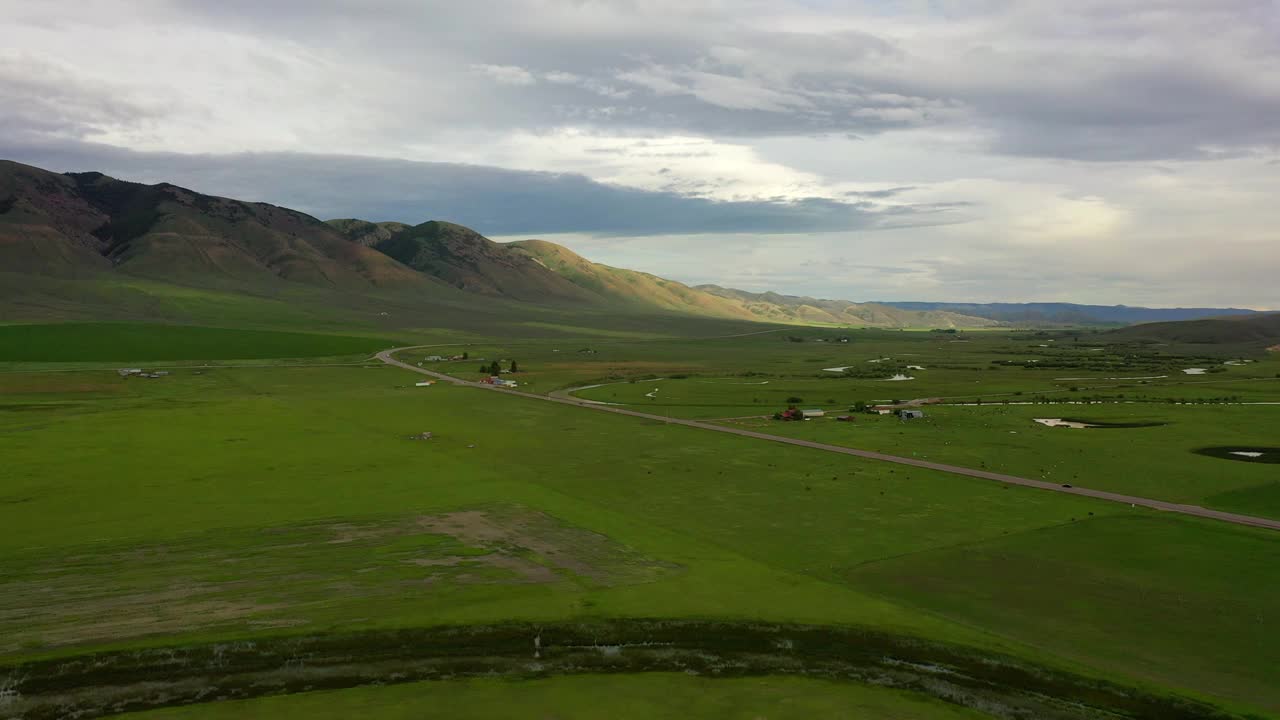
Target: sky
[[1097, 151]]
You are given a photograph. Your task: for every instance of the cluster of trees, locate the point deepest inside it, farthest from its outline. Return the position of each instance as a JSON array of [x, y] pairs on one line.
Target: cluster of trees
[[494, 368]]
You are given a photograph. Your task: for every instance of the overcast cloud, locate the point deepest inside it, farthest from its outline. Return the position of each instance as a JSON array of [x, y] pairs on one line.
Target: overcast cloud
[[1096, 151]]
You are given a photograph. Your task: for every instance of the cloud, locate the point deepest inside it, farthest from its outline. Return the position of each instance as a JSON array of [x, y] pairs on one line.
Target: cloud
[[505, 74], [1111, 148], [494, 201], [1093, 80], [41, 98], [878, 194]]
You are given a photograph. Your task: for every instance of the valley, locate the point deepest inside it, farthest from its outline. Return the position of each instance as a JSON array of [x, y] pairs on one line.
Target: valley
[[578, 521], [257, 464]]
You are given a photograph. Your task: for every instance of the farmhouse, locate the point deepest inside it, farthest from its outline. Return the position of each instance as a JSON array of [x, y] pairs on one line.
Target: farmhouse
[[910, 414], [434, 358], [424, 383], [126, 372], [882, 409], [813, 413]]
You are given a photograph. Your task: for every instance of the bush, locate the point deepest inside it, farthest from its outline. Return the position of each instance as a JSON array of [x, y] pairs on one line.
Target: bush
[[795, 400]]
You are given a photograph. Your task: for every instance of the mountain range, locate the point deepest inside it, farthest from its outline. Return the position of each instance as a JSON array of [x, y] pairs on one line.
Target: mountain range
[[60, 232], [1069, 313]]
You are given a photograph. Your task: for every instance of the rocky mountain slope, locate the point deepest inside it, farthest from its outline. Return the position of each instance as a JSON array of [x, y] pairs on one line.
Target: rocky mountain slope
[[67, 225]]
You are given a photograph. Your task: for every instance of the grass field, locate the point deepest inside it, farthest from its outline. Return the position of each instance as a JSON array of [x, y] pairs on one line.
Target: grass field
[[223, 504], [1050, 588], [1156, 461], [625, 697], [139, 342]]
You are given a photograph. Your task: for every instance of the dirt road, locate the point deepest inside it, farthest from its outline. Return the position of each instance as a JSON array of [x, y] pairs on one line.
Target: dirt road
[[386, 356]]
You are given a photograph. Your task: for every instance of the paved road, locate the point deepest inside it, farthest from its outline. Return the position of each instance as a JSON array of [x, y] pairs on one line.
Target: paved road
[[386, 356]]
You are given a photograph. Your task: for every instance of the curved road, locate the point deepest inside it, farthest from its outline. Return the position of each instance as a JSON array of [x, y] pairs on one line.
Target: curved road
[[386, 356]]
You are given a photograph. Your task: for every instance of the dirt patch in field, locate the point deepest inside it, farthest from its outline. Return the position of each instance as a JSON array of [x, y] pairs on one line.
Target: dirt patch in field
[[576, 550], [279, 577]]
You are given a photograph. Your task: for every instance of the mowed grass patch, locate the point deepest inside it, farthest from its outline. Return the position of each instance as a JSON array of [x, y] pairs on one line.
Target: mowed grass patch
[[1174, 601], [624, 697], [142, 342]]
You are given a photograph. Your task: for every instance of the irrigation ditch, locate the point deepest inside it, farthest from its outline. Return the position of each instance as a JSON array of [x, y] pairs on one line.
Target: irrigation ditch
[[100, 684]]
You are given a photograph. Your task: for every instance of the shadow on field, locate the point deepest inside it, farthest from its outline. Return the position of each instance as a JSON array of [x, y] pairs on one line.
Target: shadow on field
[[1242, 454]]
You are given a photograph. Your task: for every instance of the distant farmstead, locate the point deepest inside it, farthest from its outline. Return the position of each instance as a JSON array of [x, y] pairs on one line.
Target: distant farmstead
[[813, 413], [910, 414]]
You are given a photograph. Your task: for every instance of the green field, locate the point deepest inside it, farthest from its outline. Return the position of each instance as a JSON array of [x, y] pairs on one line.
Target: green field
[[225, 504], [1156, 461], [138, 342], [625, 697]]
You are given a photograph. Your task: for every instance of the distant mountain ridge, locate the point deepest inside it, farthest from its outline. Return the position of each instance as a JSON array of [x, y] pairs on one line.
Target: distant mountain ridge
[[77, 225], [776, 307], [84, 225], [1070, 313]]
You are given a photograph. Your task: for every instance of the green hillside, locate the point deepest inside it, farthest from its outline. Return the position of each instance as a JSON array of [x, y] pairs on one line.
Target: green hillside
[[626, 286], [365, 232], [469, 261], [638, 288], [1246, 330]]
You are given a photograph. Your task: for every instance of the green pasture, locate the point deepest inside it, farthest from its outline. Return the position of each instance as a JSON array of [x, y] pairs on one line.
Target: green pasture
[[1052, 588], [427, 312], [624, 697], [221, 503], [126, 464], [729, 376], [181, 503], [1155, 461], [142, 342]]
